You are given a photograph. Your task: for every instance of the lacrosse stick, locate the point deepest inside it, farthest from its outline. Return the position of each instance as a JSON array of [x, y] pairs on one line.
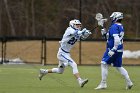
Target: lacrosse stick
[[99, 18]]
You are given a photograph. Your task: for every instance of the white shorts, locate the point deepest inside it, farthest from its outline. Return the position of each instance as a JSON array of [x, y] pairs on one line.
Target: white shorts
[[64, 57]]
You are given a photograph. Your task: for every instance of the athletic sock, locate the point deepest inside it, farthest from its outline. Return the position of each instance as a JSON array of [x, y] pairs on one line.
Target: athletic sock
[[79, 80], [104, 70], [55, 70], [124, 73]]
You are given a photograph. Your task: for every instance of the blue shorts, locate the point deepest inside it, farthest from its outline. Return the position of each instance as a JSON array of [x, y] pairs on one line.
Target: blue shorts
[[116, 59]]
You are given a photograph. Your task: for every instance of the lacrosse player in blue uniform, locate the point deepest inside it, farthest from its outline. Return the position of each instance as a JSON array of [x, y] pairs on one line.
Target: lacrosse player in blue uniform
[[114, 51], [72, 34]]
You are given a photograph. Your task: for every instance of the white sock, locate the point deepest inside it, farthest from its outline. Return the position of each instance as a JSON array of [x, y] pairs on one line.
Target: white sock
[[79, 80], [55, 70], [104, 72], [124, 73]]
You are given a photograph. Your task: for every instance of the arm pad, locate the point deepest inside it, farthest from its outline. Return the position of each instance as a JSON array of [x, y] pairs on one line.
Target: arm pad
[[116, 41]]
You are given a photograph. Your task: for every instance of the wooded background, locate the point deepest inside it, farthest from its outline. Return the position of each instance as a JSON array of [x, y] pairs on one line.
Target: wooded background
[[50, 18]]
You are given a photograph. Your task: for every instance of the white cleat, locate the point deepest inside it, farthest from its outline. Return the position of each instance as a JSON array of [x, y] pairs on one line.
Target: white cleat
[[83, 82], [101, 86], [129, 86], [42, 73]]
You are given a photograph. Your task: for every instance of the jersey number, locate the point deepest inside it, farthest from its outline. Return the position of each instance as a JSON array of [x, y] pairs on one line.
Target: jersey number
[[72, 41]]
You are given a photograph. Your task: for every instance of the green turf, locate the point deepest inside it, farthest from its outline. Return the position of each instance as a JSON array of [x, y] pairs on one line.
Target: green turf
[[24, 79]]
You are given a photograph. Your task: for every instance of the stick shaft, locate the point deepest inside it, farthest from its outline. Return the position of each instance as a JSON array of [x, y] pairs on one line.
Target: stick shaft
[[93, 30]]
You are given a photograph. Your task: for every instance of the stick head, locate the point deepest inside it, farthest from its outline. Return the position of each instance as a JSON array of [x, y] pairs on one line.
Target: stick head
[[101, 22], [99, 16]]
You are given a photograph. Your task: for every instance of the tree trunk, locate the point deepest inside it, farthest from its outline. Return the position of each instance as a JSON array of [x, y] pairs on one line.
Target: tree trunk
[[10, 18], [33, 17], [27, 18]]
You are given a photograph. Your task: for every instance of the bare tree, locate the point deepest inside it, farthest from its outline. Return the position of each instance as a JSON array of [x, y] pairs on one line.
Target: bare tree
[[0, 13], [137, 19], [33, 17], [10, 18], [27, 18]]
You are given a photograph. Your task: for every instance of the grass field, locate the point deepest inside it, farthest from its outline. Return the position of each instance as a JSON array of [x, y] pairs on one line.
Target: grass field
[[24, 79]]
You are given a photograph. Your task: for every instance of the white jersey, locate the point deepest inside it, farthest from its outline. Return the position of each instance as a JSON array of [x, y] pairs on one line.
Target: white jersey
[[70, 37]]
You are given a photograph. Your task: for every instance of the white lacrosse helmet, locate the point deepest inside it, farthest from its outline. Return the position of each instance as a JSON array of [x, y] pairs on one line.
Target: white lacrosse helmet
[[73, 24], [116, 16]]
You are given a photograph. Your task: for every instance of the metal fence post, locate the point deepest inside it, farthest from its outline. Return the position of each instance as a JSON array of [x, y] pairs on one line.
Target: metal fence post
[[43, 51]]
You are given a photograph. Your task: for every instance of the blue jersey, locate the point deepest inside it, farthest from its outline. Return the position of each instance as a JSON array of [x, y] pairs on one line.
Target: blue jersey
[[116, 59], [115, 28]]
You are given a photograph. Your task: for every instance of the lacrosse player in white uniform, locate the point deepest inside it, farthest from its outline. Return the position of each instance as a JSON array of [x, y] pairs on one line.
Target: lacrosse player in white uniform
[[114, 51], [72, 34]]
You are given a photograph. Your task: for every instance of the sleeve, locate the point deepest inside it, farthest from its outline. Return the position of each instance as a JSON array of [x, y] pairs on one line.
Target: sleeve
[[70, 32], [115, 33], [121, 28], [116, 41], [121, 32], [78, 34], [114, 30]]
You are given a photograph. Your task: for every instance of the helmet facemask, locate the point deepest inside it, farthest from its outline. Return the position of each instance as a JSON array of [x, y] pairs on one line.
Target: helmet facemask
[[76, 24], [115, 16]]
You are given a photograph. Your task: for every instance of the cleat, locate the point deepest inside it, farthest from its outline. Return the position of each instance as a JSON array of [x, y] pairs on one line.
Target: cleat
[[129, 86], [42, 73], [83, 82], [101, 86]]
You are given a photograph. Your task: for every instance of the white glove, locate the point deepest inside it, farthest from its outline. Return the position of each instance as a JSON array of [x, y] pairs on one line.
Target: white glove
[[84, 29], [85, 33], [103, 31], [112, 52]]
